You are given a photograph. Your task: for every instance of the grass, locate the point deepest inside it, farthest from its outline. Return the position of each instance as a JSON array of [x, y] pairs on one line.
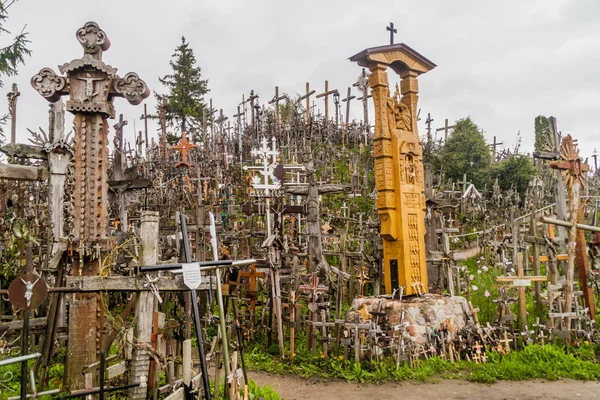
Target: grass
[[550, 362]]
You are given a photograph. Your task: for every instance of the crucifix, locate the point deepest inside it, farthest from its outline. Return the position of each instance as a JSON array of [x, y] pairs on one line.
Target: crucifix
[[446, 129], [240, 132], [363, 85], [392, 30], [163, 145], [276, 100], [428, 122], [251, 99], [326, 94], [90, 186], [145, 118], [13, 96]]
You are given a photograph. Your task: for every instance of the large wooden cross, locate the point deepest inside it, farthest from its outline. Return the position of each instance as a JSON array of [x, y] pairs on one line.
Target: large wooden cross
[[573, 170], [91, 86]]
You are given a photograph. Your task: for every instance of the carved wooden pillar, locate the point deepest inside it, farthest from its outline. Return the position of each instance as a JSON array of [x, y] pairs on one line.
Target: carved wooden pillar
[[399, 175]]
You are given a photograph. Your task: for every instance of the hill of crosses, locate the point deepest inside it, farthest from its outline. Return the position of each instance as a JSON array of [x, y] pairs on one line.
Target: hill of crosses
[[291, 233]]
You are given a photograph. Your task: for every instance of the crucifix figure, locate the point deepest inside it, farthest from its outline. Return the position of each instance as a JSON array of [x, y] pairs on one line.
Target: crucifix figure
[[92, 105], [89, 87]]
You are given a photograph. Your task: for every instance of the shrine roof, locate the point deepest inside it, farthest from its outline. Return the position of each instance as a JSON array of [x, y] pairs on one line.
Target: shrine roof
[[87, 60], [411, 58]]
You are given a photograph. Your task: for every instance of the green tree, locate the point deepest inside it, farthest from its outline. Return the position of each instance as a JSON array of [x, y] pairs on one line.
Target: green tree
[[466, 152], [542, 133], [12, 54], [514, 171], [186, 89]]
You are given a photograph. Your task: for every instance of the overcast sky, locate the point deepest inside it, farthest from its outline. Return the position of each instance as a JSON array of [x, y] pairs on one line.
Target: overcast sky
[[500, 62]]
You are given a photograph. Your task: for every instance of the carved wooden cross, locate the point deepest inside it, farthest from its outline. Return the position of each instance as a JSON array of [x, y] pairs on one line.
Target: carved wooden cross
[[573, 171], [91, 86], [184, 146]]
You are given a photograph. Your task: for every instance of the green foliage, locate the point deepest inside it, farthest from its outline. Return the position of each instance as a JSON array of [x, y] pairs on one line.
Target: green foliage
[[535, 362], [542, 134], [466, 152], [265, 392], [514, 171], [185, 99]]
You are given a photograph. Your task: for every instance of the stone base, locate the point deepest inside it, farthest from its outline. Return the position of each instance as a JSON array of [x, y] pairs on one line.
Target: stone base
[[421, 314]]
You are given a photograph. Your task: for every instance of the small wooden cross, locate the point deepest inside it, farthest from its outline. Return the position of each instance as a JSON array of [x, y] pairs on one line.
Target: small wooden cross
[[252, 276], [363, 279], [392, 30], [314, 287], [326, 94]]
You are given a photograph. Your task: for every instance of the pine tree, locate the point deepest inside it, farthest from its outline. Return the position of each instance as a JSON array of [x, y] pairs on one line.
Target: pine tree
[[11, 55], [466, 152], [185, 99]]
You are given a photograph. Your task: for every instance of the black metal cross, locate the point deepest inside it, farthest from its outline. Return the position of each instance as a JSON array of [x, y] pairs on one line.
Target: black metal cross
[[392, 31]]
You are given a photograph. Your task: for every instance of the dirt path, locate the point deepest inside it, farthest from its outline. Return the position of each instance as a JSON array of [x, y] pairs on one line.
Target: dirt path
[[293, 388]]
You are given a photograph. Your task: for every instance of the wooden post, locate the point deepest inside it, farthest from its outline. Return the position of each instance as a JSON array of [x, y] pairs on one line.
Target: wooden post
[[144, 309]]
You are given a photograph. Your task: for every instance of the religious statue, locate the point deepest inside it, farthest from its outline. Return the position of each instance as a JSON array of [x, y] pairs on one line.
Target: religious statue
[[398, 113]]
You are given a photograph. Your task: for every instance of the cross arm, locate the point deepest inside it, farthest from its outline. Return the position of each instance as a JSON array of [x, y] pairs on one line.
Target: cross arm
[[545, 155], [323, 189], [49, 85], [131, 87]]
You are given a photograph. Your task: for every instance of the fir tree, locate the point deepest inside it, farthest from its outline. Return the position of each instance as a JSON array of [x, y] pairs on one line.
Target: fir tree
[[186, 90]]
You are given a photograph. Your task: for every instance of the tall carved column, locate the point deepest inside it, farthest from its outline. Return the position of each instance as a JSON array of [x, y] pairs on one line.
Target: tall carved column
[[399, 176], [91, 86]]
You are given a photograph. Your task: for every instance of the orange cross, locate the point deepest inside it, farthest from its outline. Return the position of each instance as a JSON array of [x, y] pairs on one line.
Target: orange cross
[[184, 146]]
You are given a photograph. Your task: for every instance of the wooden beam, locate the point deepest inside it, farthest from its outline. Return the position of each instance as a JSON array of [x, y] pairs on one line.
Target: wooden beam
[[23, 172], [559, 257], [567, 224], [128, 284]]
